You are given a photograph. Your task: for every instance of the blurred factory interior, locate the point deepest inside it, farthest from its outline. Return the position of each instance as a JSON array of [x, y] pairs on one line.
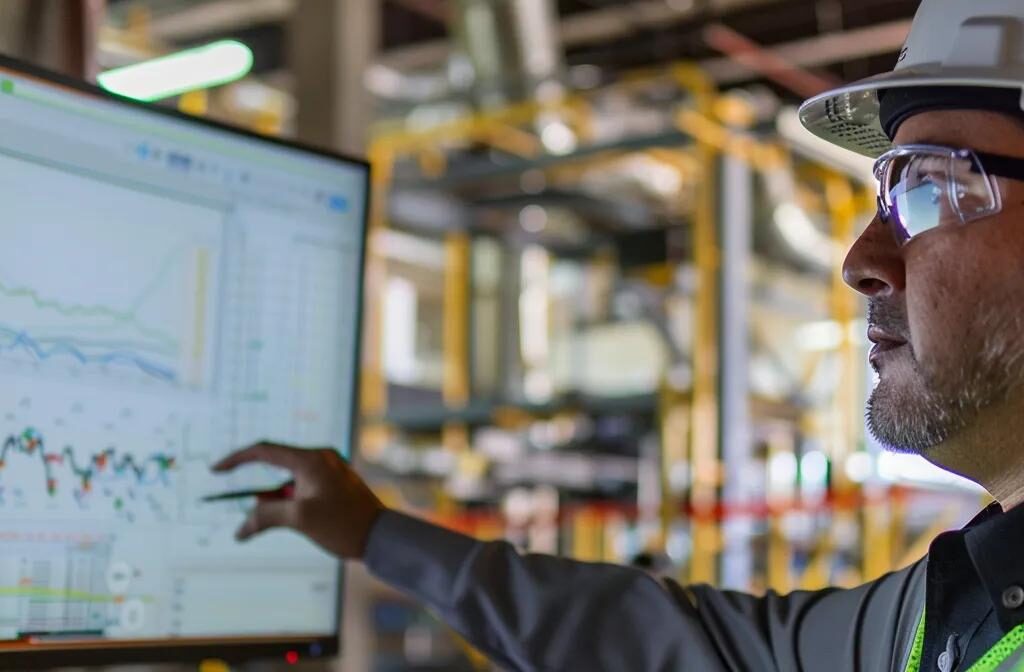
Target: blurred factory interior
[[604, 316]]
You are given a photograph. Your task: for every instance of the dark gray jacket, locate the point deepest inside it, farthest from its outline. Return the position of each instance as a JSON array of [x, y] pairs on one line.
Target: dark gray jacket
[[533, 612]]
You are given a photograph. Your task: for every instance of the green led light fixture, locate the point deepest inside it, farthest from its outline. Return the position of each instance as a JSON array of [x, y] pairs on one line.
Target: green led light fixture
[[183, 71]]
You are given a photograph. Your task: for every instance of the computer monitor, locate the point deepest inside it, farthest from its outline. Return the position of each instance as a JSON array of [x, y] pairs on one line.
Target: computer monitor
[[170, 290]]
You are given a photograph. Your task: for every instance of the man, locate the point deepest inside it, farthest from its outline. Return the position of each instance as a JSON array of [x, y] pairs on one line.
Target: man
[[942, 266]]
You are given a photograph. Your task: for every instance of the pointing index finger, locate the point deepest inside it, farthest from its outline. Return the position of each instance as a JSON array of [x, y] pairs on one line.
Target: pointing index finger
[[294, 460]]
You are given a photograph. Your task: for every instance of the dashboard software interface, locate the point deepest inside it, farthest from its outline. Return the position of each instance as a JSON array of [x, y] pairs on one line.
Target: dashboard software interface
[[168, 292]]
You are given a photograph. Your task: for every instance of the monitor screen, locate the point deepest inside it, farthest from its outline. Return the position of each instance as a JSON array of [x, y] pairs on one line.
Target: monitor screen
[[170, 290]]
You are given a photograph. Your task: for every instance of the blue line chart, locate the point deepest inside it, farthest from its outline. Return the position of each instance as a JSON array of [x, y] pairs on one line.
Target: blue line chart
[[20, 340]]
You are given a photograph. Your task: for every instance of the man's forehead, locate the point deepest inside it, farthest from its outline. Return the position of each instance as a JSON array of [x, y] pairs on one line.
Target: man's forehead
[[976, 129]]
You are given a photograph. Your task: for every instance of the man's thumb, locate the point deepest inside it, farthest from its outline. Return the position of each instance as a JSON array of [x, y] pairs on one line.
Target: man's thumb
[[265, 516]]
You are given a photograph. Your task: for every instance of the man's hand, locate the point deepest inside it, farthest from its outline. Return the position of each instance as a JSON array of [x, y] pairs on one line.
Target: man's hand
[[331, 505]]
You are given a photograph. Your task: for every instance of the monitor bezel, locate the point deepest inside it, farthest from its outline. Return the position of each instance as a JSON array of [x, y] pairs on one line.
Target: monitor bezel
[[188, 650]]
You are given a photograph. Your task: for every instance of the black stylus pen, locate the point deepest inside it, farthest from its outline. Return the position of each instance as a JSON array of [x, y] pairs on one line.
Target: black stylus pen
[[283, 491]]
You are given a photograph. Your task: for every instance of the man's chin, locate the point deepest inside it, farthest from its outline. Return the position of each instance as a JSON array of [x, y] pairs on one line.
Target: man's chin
[[908, 420]]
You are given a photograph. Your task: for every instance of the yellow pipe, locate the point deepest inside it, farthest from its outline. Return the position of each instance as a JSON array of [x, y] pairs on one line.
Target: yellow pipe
[[195, 103], [844, 421], [761, 155], [213, 665], [586, 536], [674, 408], [877, 540], [508, 139], [404, 141], [780, 558], [374, 384], [455, 384], [674, 421], [576, 108], [704, 407], [897, 533], [695, 81], [842, 208], [267, 123]]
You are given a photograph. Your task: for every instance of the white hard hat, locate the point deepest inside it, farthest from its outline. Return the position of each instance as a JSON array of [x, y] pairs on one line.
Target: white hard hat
[[952, 43]]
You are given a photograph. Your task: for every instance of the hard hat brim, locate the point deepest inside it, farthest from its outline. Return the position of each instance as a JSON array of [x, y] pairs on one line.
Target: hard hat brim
[[848, 116]]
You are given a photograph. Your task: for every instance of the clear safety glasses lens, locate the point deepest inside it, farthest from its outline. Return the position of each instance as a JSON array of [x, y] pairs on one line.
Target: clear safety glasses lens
[[923, 188]]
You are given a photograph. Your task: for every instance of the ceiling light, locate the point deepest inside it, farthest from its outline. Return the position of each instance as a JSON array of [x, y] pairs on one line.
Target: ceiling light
[[189, 70]]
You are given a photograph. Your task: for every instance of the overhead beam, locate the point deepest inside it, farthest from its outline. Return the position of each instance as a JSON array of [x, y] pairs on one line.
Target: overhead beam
[[586, 27], [849, 45], [743, 50], [207, 18]]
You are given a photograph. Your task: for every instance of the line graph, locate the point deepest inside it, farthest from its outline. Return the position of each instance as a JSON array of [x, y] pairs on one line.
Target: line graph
[[128, 317], [70, 456], [111, 297], [109, 353], [153, 469]]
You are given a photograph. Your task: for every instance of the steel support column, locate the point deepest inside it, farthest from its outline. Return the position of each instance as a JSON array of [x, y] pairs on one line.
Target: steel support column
[[735, 231], [331, 43]]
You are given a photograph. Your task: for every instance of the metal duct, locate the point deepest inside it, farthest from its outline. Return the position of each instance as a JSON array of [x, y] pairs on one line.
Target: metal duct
[[514, 48]]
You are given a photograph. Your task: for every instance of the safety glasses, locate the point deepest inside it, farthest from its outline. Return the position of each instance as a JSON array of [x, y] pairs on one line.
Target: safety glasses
[[921, 187]]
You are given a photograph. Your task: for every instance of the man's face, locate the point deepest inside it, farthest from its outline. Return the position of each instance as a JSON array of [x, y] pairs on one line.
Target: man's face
[[946, 308]]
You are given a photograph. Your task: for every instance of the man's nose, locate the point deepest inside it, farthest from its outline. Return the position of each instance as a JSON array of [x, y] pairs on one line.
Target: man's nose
[[874, 266]]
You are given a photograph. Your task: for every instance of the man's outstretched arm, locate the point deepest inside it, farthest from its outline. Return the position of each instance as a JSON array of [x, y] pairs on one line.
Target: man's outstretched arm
[[538, 612], [542, 613]]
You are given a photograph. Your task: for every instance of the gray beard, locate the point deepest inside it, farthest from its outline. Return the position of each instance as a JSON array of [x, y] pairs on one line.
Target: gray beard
[[933, 406]]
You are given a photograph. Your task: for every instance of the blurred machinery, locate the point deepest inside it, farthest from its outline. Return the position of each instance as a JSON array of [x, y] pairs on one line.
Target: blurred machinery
[[612, 322]]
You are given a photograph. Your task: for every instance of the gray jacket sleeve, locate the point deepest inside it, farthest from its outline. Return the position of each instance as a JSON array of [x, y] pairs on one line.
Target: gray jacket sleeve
[[542, 613]]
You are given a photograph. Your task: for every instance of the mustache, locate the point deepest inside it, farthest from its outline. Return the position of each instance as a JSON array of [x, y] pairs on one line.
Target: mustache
[[890, 317]]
